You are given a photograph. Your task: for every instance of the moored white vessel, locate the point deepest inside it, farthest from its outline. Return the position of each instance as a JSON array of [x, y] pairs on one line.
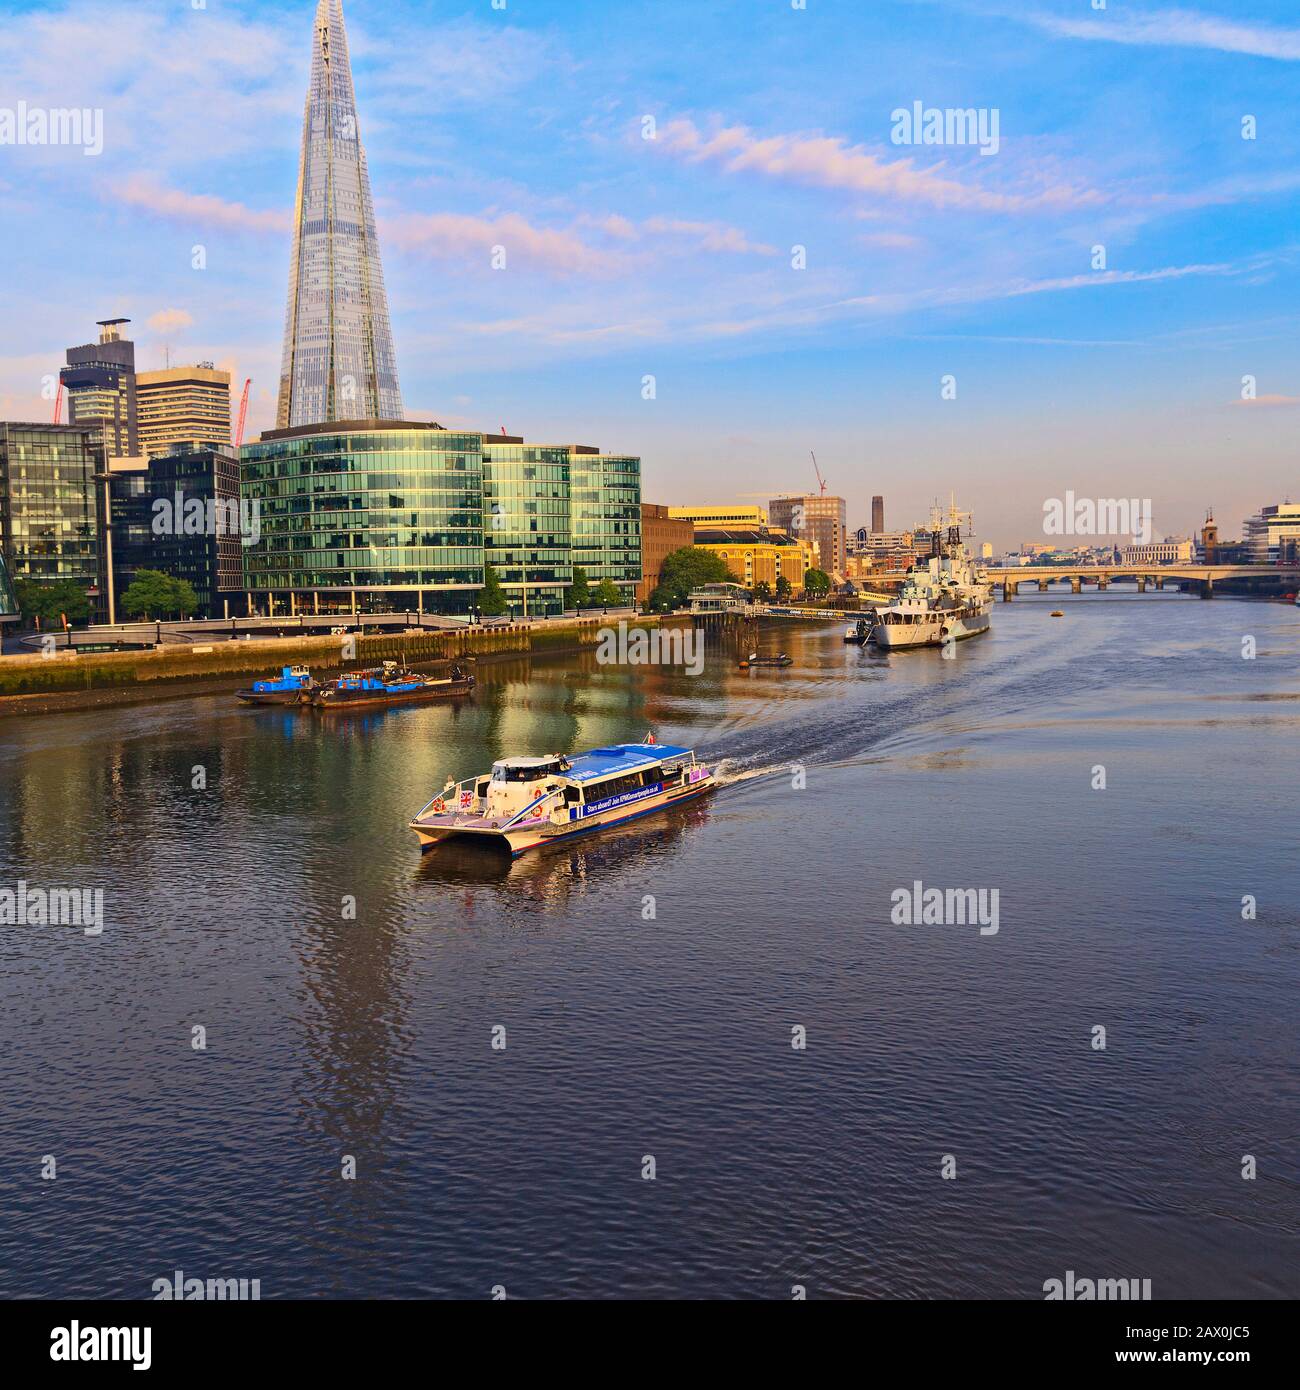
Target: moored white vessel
[[943, 599], [530, 801]]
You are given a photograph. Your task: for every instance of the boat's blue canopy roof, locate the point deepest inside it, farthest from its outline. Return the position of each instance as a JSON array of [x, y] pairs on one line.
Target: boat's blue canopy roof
[[622, 757]]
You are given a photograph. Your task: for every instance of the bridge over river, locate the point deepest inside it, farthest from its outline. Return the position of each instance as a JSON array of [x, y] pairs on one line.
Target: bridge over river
[[1010, 580]]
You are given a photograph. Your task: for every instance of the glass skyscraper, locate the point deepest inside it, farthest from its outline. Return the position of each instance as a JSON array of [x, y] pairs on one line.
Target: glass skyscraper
[[338, 361]]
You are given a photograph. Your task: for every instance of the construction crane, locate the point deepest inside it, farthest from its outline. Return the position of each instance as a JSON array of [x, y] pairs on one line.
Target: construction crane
[[58, 401], [818, 471], [243, 412]]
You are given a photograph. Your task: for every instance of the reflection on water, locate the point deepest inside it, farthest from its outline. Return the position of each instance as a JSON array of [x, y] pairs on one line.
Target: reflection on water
[[259, 880]]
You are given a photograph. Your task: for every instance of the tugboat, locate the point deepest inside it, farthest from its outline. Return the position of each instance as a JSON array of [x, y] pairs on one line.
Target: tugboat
[[390, 684], [943, 599], [523, 803], [753, 659], [293, 685]]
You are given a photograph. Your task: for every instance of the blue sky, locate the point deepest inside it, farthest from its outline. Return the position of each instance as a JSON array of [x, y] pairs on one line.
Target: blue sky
[[672, 257]]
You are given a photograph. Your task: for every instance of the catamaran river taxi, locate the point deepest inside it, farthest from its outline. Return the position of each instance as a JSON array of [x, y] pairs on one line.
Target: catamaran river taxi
[[526, 802]]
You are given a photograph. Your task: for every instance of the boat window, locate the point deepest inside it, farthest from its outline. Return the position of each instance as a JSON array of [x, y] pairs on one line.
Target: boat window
[[572, 795], [482, 788]]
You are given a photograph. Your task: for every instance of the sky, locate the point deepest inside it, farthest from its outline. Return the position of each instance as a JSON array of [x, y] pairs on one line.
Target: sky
[[721, 198]]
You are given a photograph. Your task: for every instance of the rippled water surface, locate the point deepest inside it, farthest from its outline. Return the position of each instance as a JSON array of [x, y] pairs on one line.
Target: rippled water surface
[[670, 1036]]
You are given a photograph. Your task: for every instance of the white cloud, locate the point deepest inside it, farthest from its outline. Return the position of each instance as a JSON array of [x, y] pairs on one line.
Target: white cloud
[[1177, 29]]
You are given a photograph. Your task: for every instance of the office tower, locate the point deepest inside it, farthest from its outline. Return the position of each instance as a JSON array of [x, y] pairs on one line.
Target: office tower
[[100, 384], [877, 514], [605, 492], [527, 522], [166, 537], [183, 408], [817, 521], [338, 361], [49, 502]]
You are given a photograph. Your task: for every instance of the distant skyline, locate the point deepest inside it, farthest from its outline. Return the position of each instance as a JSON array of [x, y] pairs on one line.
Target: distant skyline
[[673, 257]]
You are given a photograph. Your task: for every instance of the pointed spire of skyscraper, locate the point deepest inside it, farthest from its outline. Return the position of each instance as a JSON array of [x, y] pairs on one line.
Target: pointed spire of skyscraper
[[338, 361]]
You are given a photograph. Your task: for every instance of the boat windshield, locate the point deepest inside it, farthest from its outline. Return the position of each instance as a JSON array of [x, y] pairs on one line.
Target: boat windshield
[[528, 772]]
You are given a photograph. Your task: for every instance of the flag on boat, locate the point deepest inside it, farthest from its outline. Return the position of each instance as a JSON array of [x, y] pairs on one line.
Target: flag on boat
[[649, 737], [466, 800]]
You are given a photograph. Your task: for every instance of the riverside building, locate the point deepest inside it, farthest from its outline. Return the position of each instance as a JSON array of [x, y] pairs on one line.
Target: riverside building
[[387, 515]]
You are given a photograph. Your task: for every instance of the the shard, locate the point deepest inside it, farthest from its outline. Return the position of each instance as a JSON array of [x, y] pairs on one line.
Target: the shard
[[338, 361]]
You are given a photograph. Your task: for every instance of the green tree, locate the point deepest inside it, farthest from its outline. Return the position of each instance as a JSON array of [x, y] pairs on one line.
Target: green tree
[[48, 601], [783, 587], [607, 593], [492, 601], [688, 568], [153, 594], [816, 583], [762, 591], [578, 594]]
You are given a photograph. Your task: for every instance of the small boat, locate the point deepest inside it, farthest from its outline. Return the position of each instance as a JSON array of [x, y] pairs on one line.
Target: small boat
[[1057, 613], [753, 659], [293, 685], [389, 684], [523, 803], [859, 632]]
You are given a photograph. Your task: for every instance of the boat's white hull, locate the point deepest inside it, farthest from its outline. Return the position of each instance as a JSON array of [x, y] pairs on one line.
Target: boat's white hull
[[930, 631], [530, 834]]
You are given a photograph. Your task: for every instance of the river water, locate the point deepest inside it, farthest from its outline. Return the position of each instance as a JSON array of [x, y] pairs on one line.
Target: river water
[[650, 982]]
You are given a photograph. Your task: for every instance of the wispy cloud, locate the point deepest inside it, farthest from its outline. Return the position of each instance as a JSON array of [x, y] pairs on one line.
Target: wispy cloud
[[825, 161], [1267, 402], [198, 210], [1176, 29]]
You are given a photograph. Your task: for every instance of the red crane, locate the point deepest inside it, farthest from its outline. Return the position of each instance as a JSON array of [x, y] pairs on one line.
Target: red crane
[[818, 471], [243, 412], [58, 401]]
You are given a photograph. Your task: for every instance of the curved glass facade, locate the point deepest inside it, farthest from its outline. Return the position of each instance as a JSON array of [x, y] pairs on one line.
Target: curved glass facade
[[526, 521], [606, 505], [393, 510]]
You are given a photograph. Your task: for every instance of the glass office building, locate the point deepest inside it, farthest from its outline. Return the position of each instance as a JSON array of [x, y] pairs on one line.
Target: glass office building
[[49, 512], [8, 602], [168, 538], [526, 523], [338, 361], [386, 513], [606, 516]]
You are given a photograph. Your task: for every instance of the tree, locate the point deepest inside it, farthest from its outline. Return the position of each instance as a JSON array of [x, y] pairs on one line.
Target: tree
[[783, 587], [492, 601], [688, 568], [762, 591], [578, 594], [816, 583], [153, 594], [607, 592], [49, 601]]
